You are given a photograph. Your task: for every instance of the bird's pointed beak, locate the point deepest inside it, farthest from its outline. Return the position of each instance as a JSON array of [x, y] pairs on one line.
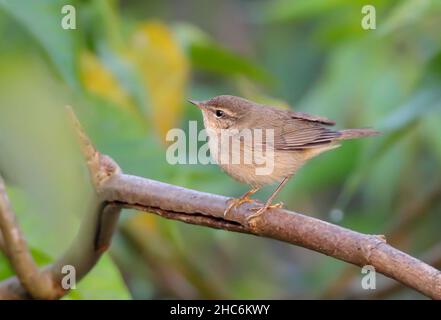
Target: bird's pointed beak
[[196, 103]]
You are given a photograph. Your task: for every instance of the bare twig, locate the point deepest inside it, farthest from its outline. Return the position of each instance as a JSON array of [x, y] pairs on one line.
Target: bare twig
[[82, 255], [433, 256], [398, 231], [16, 249], [206, 209], [190, 206], [93, 238]]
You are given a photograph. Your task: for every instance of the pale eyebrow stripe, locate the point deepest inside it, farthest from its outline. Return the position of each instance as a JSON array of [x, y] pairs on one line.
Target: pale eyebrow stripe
[[213, 109]]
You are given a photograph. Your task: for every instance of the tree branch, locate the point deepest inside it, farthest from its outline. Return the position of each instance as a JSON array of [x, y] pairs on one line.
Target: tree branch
[[396, 233], [172, 202], [92, 240], [433, 256], [16, 249], [200, 208]]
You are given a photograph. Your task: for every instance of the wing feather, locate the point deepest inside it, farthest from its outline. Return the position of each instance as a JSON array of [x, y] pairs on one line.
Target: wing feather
[[297, 130], [308, 117], [298, 134]]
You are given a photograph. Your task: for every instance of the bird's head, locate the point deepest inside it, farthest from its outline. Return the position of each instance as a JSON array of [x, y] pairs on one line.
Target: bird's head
[[223, 112]]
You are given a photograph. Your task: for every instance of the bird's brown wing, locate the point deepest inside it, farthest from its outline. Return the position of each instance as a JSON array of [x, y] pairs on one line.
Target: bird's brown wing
[[308, 117], [301, 131], [297, 130], [296, 135]]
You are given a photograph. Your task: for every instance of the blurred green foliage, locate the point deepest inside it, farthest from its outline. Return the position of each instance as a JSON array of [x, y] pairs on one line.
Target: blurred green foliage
[[127, 70]]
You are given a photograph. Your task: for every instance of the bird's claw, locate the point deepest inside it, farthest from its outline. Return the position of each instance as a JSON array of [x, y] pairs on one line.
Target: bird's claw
[[236, 203], [261, 210]]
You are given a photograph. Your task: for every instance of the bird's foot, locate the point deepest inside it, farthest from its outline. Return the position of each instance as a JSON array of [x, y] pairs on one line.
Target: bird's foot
[[261, 210], [236, 203]]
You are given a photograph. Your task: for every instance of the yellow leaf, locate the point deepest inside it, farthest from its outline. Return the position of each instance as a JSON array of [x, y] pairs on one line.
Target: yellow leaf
[[164, 69], [98, 80]]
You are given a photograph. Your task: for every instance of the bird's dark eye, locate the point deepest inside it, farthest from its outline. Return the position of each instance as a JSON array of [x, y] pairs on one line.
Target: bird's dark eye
[[219, 113]]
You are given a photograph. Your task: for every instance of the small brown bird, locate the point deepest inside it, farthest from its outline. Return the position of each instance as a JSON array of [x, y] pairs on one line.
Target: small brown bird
[[286, 138]]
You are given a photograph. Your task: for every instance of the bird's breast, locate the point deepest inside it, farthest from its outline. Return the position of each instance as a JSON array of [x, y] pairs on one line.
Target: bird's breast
[[249, 163]]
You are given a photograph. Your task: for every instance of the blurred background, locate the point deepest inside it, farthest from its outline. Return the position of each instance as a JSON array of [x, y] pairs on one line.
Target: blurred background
[[128, 69]]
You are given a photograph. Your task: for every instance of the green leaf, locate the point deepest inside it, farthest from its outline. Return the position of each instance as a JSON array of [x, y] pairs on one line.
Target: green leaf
[[395, 127], [6, 271], [283, 10], [407, 13], [205, 54], [39, 154], [432, 131], [42, 19], [423, 102], [5, 268]]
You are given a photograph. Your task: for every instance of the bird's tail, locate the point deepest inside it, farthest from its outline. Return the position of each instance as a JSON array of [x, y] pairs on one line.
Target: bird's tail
[[348, 134]]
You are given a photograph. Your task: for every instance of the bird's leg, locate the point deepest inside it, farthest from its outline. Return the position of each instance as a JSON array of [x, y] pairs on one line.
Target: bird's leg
[[267, 205], [243, 199]]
